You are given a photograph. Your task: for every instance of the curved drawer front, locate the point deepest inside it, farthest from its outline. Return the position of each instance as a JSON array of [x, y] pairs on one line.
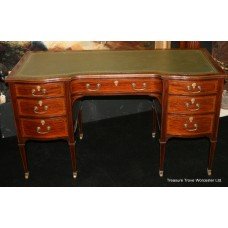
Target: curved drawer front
[[187, 125], [41, 107], [191, 87], [95, 86], [40, 90], [191, 104], [44, 128]]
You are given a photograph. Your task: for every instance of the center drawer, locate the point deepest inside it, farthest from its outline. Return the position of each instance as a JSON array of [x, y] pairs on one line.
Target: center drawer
[[41, 107], [95, 86]]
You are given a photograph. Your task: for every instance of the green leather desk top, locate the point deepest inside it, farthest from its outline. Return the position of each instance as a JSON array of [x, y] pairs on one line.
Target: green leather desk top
[[39, 65]]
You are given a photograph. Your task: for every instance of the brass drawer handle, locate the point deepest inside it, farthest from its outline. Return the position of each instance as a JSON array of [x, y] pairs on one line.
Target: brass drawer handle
[[40, 112], [36, 108], [144, 85], [98, 85], [38, 89], [43, 132], [194, 88], [188, 105], [191, 129], [38, 129]]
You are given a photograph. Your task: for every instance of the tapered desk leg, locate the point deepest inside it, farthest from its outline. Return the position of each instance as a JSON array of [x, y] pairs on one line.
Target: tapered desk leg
[[162, 158], [154, 120], [80, 123], [211, 157], [73, 159], [24, 159]]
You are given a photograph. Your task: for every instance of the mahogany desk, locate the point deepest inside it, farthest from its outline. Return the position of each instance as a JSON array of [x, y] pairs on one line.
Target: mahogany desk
[[45, 85]]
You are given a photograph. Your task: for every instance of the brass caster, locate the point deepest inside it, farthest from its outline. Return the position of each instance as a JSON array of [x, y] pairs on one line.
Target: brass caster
[[153, 135], [75, 175], [161, 173], [81, 136], [27, 175], [209, 172]]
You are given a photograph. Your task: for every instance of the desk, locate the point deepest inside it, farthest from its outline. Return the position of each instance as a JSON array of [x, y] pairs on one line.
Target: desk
[[187, 83]]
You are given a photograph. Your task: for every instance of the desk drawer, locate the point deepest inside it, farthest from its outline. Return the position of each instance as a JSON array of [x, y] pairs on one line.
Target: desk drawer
[[44, 128], [187, 125], [192, 87], [191, 104], [41, 107], [40, 90], [93, 86]]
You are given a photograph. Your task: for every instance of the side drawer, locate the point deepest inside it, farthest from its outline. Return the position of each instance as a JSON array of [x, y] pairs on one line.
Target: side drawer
[[40, 90], [186, 125], [41, 107], [191, 87], [44, 128], [93, 86], [191, 104]]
